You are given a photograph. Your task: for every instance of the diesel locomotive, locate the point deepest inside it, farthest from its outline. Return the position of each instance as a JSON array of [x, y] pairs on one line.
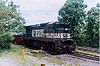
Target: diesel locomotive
[[50, 37]]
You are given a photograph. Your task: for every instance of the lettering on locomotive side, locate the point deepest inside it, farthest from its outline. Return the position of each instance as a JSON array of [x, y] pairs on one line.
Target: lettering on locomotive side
[[61, 35], [38, 33]]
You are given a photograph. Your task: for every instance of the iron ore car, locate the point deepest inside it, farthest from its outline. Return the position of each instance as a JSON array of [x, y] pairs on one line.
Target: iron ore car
[[51, 37]]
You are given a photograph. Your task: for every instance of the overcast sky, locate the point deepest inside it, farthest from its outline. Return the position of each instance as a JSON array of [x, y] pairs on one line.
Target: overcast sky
[[41, 11]]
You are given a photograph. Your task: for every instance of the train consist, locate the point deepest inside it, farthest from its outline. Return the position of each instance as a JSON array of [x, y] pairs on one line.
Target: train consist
[[50, 37]]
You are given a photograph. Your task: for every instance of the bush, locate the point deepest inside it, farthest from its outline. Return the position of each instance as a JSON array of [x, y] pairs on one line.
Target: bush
[[5, 41]]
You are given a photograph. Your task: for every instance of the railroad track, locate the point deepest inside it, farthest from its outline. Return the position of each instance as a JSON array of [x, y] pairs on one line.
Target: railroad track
[[87, 56], [80, 55]]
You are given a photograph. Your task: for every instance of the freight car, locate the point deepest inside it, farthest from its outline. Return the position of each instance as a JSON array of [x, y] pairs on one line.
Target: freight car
[[19, 39], [50, 37]]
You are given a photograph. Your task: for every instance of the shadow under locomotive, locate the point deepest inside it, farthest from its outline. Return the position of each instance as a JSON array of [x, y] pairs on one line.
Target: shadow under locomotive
[[55, 37]]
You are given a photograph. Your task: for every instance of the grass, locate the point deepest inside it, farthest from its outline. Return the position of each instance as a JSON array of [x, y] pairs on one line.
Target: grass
[[12, 50], [39, 55]]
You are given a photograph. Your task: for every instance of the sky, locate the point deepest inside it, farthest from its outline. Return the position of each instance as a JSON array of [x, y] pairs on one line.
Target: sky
[[42, 11]]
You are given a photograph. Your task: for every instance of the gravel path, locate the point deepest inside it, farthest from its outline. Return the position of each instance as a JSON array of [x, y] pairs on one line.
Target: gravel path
[[40, 61], [4, 61]]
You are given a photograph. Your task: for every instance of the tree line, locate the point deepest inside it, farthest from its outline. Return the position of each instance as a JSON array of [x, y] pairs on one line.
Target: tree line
[[10, 23], [83, 23]]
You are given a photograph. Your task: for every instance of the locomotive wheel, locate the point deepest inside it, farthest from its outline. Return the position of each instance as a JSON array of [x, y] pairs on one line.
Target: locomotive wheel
[[59, 47], [50, 46], [44, 46]]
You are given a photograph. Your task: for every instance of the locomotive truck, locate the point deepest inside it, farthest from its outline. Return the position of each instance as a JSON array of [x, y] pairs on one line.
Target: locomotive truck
[[50, 37]]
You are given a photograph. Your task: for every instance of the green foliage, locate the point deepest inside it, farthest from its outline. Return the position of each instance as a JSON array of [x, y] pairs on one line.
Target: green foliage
[[89, 35], [72, 13], [12, 51], [84, 26], [93, 18], [10, 22], [10, 19], [5, 41]]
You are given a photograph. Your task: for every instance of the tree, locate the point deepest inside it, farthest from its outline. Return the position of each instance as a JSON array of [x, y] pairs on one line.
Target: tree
[[10, 21], [73, 13], [93, 19]]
